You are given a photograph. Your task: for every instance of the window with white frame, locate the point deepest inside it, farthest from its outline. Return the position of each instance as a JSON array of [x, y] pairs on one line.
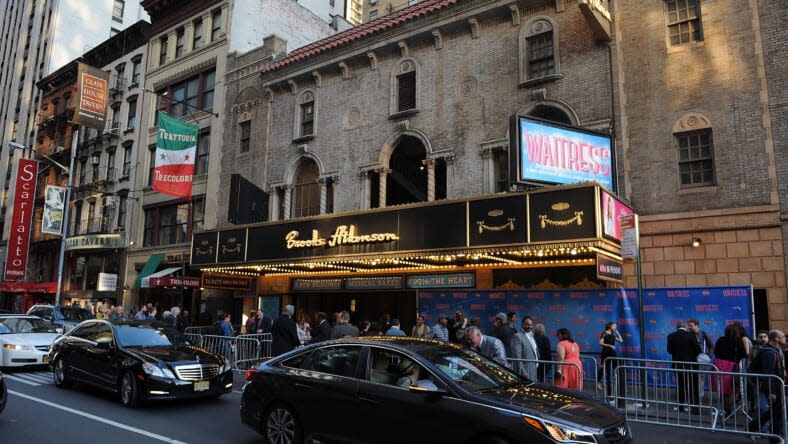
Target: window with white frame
[[306, 113]]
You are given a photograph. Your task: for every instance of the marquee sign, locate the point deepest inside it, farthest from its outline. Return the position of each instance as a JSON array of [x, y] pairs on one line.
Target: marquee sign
[[343, 235], [550, 153]]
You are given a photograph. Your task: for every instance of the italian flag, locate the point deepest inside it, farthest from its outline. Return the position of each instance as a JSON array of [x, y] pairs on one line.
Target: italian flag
[[176, 152]]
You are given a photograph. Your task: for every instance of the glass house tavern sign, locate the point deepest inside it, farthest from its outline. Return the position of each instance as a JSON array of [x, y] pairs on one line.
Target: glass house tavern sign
[[343, 235]]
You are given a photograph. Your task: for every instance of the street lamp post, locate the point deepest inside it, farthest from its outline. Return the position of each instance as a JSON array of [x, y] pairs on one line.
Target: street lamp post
[[67, 203]]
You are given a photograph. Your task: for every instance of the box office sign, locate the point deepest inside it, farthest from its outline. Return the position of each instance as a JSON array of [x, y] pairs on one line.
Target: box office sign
[[562, 215], [91, 108], [227, 282], [19, 233]]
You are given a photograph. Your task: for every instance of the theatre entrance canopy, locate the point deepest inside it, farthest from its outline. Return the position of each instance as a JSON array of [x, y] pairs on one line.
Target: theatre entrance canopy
[[575, 225]]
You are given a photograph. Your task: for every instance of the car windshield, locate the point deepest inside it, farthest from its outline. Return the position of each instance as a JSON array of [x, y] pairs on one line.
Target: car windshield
[[25, 325], [472, 371], [76, 314], [148, 335]]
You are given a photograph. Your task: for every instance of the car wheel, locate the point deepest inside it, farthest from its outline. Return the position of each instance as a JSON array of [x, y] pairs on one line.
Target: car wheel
[[129, 390], [280, 426], [59, 375]]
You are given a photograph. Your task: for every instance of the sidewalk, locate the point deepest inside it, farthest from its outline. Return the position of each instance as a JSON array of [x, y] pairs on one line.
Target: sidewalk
[[658, 434]]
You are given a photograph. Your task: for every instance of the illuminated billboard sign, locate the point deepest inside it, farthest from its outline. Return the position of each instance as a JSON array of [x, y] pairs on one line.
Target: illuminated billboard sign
[[550, 153]]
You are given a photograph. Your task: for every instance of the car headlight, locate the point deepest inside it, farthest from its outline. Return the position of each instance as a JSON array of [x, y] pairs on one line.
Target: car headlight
[[560, 433], [155, 370], [17, 347]]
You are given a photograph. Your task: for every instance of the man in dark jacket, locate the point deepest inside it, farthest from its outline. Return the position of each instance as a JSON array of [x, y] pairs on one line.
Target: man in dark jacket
[[322, 331], [504, 332], [544, 349], [284, 336], [683, 347], [770, 361], [263, 323], [344, 328]]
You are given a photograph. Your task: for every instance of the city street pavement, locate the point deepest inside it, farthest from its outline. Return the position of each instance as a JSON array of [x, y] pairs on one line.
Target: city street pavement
[[38, 412]]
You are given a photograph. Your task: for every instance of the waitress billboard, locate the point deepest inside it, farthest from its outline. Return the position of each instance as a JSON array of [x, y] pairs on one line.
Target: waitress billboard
[[551, 153]]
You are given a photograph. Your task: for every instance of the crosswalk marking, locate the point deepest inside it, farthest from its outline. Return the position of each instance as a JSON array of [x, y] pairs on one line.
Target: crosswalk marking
[[34, 379]]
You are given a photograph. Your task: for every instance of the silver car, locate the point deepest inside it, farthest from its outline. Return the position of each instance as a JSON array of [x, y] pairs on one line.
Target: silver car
[[25, 340]]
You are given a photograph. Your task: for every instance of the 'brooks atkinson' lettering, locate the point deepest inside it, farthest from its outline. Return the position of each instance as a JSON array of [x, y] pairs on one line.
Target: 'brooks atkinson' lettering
[[173, 177], [343, 235]]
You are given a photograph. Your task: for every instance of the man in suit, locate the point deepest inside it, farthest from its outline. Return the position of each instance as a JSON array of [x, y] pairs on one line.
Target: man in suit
[[284, 336], [524, 347], [683, 347], [504, 332], [322, 332], [263, 323], [544, 349], [343, 327], [489, 346]]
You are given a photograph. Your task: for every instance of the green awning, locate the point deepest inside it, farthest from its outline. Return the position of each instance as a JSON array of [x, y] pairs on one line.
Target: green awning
[[153, 263]]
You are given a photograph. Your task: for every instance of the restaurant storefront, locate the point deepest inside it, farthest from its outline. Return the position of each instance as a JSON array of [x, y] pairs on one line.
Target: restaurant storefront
[[374, 263]]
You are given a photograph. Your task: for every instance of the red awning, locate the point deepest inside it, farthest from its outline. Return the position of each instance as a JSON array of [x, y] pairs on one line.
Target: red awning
[[190, 282], [29, 287]]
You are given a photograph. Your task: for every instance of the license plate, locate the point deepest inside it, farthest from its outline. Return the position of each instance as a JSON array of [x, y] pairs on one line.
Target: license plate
[[201, 386]]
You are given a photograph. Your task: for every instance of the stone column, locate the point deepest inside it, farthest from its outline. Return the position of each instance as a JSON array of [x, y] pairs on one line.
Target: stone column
[[275, 204], [323, 188], [172, 41], [154, 53], [363, 177], [188, 34], [382, 176], [449, 176], [207, 25], [430, 163], [288, 200], [488, 169]]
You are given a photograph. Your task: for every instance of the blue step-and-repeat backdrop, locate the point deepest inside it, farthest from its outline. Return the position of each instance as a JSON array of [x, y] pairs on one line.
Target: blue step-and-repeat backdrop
[[585, 311]]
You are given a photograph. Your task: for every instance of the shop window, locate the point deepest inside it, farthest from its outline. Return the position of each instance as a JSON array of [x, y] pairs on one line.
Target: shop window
[[306, 189], [539, 59], [683, 21]]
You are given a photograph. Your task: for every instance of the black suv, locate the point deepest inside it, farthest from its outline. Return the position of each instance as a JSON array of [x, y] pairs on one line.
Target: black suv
[[62, 317]]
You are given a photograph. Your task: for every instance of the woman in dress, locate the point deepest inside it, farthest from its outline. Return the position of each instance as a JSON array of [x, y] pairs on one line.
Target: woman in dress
[[303, 329], [607, 340], [728, 350], [570, 375]]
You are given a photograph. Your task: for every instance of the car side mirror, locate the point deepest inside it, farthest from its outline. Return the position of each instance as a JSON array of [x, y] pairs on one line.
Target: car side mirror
[[429, 391], [59, 330]]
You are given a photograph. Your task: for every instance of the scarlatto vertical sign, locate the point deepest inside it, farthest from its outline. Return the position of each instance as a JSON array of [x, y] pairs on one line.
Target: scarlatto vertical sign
[[19, 235]]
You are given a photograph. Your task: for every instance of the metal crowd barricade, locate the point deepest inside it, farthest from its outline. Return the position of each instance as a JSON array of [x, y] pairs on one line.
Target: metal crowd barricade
[[265, 344], [221, 345], [193, 338], [553, 370], [670, 395], [201, 330], [246, 352]]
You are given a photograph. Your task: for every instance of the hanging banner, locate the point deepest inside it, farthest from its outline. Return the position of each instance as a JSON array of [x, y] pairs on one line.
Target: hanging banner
[[19, 234], [91, 108], [176, 150], [52, 219]]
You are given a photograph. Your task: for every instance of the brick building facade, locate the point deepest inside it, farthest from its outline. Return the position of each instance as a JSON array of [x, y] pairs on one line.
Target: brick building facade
[[707, 104]]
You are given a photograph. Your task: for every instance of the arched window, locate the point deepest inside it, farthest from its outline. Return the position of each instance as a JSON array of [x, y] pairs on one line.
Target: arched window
[[405, 87], [306, 189], [539, 59], [305, 115], [692, 136]]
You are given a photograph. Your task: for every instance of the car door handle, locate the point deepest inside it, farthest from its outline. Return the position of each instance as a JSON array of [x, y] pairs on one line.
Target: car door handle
[[302, 385]]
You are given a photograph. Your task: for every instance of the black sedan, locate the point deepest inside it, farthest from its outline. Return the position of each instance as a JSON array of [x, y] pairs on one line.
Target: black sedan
[[3, 393], [140, 360], [386, 389]]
